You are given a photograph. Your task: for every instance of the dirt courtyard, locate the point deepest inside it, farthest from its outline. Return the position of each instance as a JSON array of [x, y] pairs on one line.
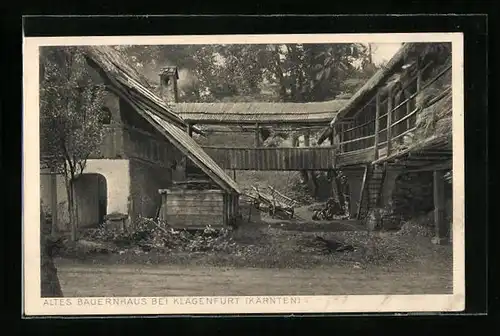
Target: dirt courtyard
[[265, 261], [79, 280]]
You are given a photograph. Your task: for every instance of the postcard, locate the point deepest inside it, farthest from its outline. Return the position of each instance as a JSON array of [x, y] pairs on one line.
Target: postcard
[[237, 174]]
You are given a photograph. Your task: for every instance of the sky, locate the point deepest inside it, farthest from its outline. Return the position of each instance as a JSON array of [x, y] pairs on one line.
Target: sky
[[384, 51]]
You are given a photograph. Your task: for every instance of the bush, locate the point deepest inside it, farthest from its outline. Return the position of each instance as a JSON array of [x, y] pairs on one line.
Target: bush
[[149, 235]]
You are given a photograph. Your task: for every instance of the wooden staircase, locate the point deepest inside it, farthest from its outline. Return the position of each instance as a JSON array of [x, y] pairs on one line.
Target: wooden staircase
[[371, 189]]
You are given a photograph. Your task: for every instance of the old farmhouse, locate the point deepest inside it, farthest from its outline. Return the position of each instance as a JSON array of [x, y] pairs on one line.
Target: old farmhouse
[[146, 149], [392, 140], [395, 135]]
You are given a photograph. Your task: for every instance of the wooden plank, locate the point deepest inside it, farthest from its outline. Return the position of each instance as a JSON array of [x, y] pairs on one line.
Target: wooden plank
[[342, 136], [406, 117], [389, 120], [320, 158], [377, 125], [362, 191], [355, 157], [332, 134], [358, 139], [257, 135], [439, 205]]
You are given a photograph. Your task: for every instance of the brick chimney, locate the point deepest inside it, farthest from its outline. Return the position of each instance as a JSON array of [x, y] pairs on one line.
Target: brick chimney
[[168, 84]]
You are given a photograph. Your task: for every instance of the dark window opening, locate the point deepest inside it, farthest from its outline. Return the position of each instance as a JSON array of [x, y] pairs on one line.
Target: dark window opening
[[105, 116]]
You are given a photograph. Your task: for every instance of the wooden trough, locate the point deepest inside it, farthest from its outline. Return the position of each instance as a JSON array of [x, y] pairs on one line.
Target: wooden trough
[[273, 202]]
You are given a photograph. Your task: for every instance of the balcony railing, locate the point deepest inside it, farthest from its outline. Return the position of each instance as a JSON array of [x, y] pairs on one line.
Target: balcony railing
[[391, 122]]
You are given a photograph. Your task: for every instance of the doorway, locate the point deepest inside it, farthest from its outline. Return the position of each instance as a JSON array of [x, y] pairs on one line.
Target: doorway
[[91, 199]]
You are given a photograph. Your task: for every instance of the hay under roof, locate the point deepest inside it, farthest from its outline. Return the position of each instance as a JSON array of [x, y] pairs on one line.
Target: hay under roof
[[259, 112]]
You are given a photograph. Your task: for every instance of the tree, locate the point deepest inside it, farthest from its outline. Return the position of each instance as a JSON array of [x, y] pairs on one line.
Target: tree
[[71, 110], [240, 72]]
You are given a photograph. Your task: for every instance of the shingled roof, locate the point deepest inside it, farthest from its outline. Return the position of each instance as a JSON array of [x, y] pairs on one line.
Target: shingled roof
[[131, 86], [115, 64], [258, 112]]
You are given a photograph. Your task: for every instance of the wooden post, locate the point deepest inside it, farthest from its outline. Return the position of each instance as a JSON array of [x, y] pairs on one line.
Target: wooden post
[[306, 139], [257, 135], [53, 201], [408, 111], [333, 135], [176, 89], [389, 119], [189, 131], [419, 75], [419, 86], [439, 208], [342, 128], [234, 174], [377, 126]]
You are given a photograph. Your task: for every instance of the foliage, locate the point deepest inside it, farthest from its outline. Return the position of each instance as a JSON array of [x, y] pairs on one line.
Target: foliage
[[252, 246], [70, 115], [150, 235], [246, 72]]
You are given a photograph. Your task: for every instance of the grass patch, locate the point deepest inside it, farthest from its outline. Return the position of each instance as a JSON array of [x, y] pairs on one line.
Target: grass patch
[[253, 246]]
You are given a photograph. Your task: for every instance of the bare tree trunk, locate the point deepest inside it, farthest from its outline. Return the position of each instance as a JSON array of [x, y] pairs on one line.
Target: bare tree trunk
[[279, 74], [73, 218]]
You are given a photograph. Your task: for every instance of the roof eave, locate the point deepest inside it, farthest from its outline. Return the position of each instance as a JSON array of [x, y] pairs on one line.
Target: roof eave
[[374, 82]]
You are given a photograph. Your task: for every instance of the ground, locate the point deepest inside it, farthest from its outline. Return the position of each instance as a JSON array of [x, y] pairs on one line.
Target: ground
[[280, 258], [167, 280]]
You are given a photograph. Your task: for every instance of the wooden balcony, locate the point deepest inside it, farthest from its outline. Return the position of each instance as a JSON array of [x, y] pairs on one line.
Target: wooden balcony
[[400, 130]]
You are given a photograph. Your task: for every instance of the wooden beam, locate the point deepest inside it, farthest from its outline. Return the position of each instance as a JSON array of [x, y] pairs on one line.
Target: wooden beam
[[176, 90], [361, 192], [342, 136], [257, 135], [445, 153], [189, 130], [432, 167], [316, 123], [332, 135], [377, 126], [426, 158], [439, 206], [408, 112], [307, 142], [431, 154], [389, 120]]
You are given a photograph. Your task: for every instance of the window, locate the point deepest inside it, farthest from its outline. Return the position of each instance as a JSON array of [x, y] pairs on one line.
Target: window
[[105, 116]]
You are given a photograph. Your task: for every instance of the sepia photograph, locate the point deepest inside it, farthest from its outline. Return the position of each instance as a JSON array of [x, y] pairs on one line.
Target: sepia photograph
[[243, 174]]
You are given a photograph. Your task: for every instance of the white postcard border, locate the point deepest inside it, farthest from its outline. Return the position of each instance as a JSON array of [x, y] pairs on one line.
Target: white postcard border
[[33, 304]]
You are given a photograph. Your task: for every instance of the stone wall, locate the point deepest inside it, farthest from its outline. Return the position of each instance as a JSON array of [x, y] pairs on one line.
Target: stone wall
[[408, 196], [193, 208], [147, 178], [62, 199], [413, 194]]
